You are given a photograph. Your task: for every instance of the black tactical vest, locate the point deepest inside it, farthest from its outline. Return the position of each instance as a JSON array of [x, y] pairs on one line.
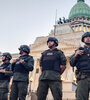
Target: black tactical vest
[[51, 60], [18, 67], [83, 61], [2, 75]]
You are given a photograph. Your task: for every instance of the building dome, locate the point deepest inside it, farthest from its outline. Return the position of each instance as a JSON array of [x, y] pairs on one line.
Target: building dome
[[81, 9]]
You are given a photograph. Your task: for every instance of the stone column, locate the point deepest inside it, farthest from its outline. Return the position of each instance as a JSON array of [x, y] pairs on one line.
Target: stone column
[[86, 28], [68, 74], [78, 28], [82, 26], [34, 74]]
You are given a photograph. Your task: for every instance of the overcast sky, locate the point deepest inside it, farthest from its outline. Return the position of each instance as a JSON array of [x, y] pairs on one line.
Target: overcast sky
[[21, 21]]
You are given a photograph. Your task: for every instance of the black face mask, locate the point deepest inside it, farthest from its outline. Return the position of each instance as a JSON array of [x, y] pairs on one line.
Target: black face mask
[[21, 52], [87, 43], [3, 60]]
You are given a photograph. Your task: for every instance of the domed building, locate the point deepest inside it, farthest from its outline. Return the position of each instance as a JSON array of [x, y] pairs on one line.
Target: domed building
[[79, 16], [69, 35]]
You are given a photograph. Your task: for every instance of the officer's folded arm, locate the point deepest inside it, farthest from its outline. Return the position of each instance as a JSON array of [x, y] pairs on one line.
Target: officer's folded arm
[[2, 71], [28, 65], [63, 64], [8, 73], [74, 57], [73, 60], [62, 68]]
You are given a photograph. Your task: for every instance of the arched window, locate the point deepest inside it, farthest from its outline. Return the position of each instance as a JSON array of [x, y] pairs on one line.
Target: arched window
[[38, 65]]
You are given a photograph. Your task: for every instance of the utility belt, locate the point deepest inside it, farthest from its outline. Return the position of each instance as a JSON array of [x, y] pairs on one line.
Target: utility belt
[[80, 75]]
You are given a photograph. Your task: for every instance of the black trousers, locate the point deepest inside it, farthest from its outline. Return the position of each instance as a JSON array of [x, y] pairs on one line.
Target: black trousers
[[3, 94], [18, 90], [83, 89], [55, 87]]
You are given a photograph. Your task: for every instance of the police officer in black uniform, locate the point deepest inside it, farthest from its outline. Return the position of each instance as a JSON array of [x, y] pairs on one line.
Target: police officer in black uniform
[[5, 73], [81, 59], [21, 68], [52, 64]]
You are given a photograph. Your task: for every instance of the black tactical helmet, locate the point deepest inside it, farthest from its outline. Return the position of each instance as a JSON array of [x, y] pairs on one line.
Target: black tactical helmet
[[8, 55], [86, 34], [25, 48], [53, 39]]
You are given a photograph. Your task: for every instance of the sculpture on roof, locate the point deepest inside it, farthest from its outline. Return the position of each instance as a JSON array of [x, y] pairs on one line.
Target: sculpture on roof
[[60, 21]]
